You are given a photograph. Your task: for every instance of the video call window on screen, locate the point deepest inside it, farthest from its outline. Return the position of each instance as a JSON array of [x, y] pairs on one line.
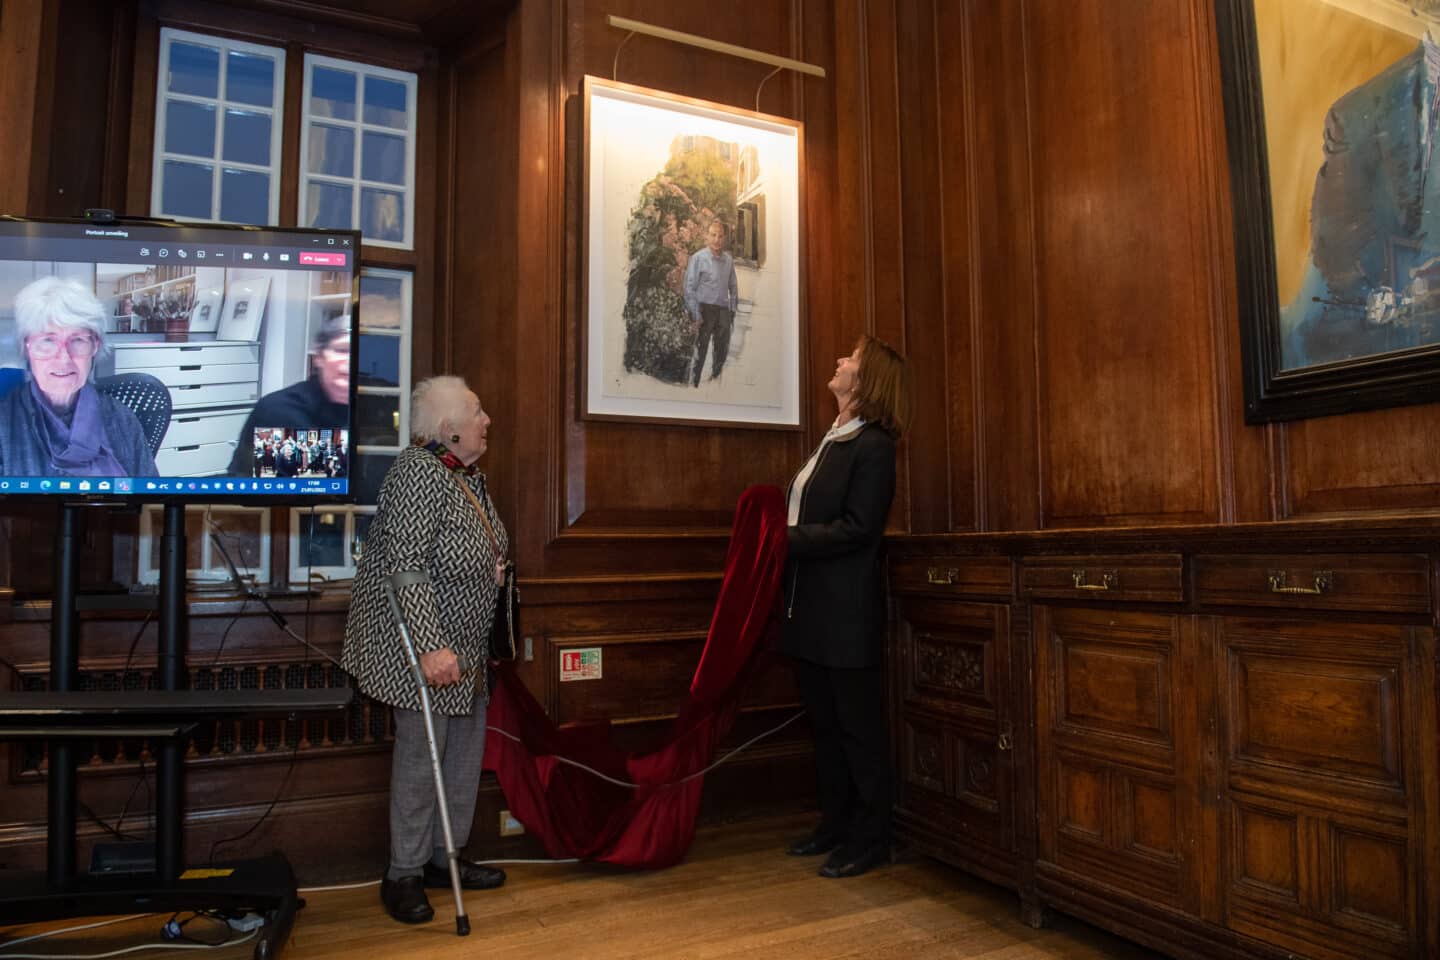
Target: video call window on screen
[[153, 360]]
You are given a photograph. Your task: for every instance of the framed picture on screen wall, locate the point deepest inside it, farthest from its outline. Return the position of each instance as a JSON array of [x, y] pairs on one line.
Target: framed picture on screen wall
[[1331, 109], [691, 261]]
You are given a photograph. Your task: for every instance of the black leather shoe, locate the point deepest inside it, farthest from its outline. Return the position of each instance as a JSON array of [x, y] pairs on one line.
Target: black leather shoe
[[849, 863], [405, 900], [473, 876], [813, 845]]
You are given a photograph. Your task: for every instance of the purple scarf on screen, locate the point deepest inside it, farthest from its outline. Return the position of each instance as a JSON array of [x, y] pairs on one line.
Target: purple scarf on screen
[[80, 447]]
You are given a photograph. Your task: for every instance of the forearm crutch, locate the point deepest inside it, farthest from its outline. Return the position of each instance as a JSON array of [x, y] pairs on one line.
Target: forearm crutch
[[462, 922]]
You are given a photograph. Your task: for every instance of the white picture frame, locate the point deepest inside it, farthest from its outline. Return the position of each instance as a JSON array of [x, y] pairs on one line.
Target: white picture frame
[[658, 170], [209, 300], [244, 306]]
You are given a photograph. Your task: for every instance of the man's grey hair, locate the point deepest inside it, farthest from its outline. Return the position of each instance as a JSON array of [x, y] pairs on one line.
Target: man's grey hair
[[436, 401], [64, 303], [329, 330]]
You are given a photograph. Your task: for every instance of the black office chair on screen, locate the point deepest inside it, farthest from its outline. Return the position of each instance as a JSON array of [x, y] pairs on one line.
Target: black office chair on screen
[[147, 397]]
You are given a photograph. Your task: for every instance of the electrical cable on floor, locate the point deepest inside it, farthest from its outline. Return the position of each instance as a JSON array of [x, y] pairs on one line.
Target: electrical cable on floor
[[76, 929], [674, 783], [124, 950]]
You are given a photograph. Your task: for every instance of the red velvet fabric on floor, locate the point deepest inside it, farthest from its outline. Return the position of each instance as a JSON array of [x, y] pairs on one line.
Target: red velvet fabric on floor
[[577, 814]]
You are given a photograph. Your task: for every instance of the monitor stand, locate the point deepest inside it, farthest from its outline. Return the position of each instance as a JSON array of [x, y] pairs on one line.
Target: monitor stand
[[265, 885]]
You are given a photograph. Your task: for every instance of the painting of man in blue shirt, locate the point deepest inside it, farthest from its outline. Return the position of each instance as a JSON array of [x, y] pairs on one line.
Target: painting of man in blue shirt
[[711, 295]]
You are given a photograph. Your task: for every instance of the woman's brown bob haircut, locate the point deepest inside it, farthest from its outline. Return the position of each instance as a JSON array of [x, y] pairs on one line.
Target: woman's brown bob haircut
[[885, 393]]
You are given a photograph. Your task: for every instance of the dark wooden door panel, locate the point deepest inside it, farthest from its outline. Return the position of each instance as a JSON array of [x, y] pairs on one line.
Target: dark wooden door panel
[[1320, 883], [1119, 825], [1316, 710], [1112, 679], [1118, 763], [958, 776], [955, 658]]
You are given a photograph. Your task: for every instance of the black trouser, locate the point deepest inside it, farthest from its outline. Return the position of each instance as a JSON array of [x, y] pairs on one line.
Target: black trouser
[[715, 321], [852, 750]]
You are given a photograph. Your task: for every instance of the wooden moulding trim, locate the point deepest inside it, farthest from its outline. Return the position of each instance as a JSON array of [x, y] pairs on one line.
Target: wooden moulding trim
[[539, 590], [1387, 533]]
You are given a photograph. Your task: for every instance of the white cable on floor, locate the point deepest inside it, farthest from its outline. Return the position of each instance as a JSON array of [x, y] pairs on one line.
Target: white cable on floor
[[675, 783], [84, 926]]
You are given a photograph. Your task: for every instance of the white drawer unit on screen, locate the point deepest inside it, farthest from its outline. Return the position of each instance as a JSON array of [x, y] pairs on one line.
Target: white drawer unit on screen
[[212, 388]]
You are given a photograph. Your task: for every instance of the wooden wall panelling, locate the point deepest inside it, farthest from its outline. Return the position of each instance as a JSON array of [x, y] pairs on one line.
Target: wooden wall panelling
[[1126, 358], [476, 331], [535, 86], [1383, 460], [990, 44], [24, 28], [1247, 478], [933, 330]]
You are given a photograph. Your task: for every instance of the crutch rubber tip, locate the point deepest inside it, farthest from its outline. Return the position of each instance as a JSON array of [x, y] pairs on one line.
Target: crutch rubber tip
[[462, 925]]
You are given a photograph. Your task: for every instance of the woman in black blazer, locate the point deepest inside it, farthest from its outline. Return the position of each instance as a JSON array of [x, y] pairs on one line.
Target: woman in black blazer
[[833, 622]]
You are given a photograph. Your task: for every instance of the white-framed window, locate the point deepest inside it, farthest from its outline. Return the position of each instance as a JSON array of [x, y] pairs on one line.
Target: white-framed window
[[244, 532], [357, 150], [219, 108], [322, 542]]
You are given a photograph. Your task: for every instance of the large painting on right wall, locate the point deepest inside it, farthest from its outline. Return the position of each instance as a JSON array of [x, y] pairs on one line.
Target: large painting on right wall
[[1332, 115]]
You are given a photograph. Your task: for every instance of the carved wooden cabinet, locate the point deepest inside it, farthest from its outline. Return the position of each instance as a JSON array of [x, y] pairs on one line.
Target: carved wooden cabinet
[[952, 686], [1223, 746]]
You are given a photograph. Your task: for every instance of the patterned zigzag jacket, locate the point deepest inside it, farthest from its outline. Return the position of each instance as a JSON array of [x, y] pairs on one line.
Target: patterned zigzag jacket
[[425, 522]]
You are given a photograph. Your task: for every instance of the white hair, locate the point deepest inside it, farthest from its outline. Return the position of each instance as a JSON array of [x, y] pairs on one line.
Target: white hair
[[436, 401], [64, 303]]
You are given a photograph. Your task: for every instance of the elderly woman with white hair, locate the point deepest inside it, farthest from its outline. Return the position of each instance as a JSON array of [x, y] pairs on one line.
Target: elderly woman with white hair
[[437, 536], [57, 423]]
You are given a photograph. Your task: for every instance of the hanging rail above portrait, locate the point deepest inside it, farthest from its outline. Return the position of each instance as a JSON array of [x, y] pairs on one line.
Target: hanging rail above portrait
[[705, 43]]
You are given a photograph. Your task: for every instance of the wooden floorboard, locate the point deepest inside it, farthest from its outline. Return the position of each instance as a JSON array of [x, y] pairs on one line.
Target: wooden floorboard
[[736, 896]]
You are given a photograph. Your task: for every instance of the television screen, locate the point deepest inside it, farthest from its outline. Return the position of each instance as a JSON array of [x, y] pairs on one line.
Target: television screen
[[151, 361]]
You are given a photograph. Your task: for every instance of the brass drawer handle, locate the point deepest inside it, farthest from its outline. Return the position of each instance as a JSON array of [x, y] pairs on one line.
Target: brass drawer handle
[[1324, 580], [1109, 580], [944, 576]]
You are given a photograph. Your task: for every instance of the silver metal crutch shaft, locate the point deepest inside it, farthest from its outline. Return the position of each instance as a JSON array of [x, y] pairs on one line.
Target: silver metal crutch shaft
[[462, 922]]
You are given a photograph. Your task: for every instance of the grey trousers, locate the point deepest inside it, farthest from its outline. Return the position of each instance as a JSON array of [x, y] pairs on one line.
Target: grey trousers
[[415, 829]]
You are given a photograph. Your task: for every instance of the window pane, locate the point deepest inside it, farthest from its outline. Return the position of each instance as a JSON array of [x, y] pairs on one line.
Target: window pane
[[382, 215], [379, 364], [332, 93], [322, 540], [190, 128], [380, 301], [377, 421], [367, 475], [194, 70], [383, 158], [245, 197], [247, 137], [385, 102], [250, 79], [329, 206], [332, 150], [185, 190]]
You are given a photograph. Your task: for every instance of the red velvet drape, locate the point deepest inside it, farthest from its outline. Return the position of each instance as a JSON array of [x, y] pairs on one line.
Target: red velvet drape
[[575, 813]]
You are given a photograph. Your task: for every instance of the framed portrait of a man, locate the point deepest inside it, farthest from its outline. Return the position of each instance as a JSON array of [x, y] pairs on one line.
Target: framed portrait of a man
[[1331, 110], [691, 257]]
